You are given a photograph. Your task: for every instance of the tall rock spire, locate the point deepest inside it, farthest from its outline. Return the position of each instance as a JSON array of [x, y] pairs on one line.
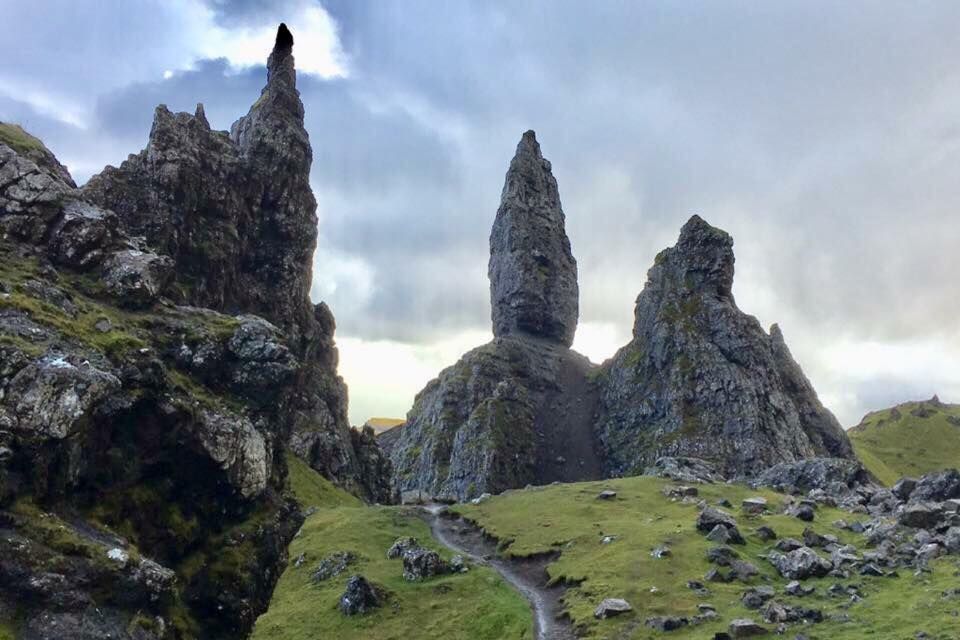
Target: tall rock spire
[[533, 274]]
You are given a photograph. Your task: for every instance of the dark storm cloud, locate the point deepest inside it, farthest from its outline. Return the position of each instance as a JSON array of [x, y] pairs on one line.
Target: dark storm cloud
[[825, 137]]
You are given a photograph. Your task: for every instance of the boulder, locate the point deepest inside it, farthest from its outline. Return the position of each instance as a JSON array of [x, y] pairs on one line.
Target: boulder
[[666, 623], [136, 278], [359, 597], [401, 546], [611, 607], [800, 564], [920, 515], [420, 563], [746, 628], [903, 488]]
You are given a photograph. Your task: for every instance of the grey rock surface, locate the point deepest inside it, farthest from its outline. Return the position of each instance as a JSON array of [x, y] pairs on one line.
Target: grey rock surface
[[533, 275], [513, 412], [702, 379], [236, 214], [174, 356]]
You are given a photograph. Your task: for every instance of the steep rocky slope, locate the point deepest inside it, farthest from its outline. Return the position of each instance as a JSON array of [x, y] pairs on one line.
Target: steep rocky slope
[[158, 354], [702, 379], [516, 410], [236, 214], [909, 439]]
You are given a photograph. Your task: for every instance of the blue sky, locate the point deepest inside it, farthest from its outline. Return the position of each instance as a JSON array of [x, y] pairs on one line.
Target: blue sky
[[825, 137]]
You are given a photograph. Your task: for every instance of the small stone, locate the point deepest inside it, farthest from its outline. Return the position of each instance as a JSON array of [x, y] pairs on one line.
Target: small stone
[[607, 494], [666, 623], [662, 551], [746, 628], [766, 533], [755, 505], [103, 325], [611, 607]]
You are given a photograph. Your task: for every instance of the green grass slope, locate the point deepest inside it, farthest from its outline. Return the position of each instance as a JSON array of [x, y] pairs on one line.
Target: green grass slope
[[476, 605], [909, 440], [570, 519]]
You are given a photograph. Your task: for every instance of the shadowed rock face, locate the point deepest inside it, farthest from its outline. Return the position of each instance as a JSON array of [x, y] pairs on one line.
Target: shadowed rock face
[[702, 379], [237, 214], [533, 275], [150, 385]]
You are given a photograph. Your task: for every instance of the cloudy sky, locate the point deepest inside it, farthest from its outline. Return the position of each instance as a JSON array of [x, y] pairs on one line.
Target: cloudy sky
[[825, 137]]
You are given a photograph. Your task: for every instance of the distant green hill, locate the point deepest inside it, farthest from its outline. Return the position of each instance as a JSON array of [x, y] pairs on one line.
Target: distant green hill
[[910, 439]]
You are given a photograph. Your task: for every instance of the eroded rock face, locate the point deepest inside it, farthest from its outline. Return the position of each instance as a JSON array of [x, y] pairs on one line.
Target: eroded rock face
[[160, 351], [702, 379], [236, 213], [533, 275], [515, 411]]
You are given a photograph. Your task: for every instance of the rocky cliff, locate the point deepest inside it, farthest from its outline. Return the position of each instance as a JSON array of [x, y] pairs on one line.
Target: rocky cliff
[[702, 379], [517, 410], [237, 215], [158, 354]]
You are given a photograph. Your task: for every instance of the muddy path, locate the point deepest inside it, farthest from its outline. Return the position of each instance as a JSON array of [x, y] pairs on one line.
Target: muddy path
[[527, 575]]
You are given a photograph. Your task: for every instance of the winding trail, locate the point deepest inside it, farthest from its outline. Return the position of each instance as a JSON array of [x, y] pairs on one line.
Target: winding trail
[[527, 575]]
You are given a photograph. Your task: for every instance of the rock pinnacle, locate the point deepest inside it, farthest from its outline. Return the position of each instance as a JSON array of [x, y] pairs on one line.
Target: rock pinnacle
[[533, 274]]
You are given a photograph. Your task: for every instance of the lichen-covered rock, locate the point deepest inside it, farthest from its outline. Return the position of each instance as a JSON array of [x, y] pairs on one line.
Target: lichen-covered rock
[[359, 597], [136, 278], [533, 275], [50, 398], [232, 442], [839, 474], [800, 564], [82, 235], [702, 379]]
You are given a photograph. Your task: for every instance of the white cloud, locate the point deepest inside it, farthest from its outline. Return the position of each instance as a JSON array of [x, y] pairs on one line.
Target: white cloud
[[317, 47]]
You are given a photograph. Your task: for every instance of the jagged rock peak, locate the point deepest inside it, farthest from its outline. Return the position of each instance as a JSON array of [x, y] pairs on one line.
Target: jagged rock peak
[[702, 259], [280, 64], [533, 274], [702, 379]]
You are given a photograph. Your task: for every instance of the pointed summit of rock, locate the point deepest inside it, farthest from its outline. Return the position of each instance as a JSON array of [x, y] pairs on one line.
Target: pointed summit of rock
[[702, 379], [533, 274], [280, 63], [284, 38]]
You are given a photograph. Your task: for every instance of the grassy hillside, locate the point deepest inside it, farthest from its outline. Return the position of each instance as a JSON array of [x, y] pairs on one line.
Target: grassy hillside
[[477, 604], [571, 519], [909, 440]]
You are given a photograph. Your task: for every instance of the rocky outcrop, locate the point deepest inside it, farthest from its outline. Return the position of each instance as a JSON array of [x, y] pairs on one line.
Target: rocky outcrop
[[518, 410], [512, 412], [702, 379], [533, 275], [158, 353], [700, 393], [236, 213]]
